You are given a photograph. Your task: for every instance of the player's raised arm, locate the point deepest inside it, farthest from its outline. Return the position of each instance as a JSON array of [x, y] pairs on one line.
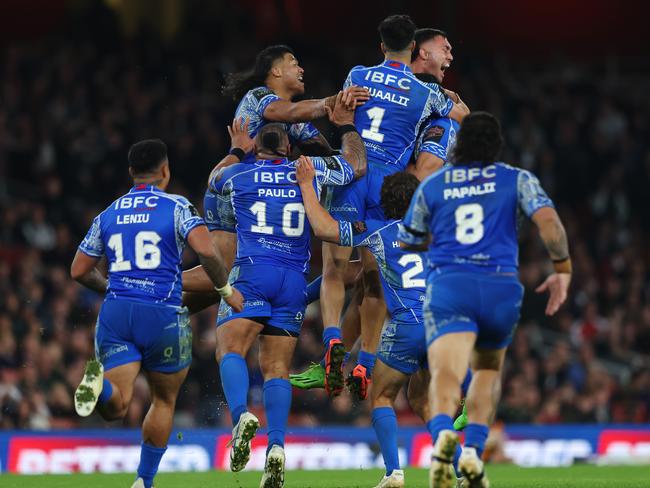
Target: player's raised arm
[[353, 148], [555, 240], [308, 110], [199, 240], [323, 224]]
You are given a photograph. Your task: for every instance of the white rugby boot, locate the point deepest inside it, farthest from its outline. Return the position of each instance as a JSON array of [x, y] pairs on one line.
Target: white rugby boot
[[242, 435], [442, 473], [273, 476], [472, 469], [395, 480], [87, 393]]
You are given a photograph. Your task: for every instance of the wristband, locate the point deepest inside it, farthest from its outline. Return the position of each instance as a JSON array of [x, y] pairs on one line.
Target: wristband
[[225, 291], [238, 153], [563, 265], [344, 129]]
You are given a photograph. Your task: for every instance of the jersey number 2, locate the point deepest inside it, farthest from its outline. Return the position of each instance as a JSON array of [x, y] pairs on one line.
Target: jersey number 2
[[147, 253], [408, 276]]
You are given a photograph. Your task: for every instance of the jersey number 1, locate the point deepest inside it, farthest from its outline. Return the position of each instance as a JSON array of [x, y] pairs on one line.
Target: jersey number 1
[[376, 115]]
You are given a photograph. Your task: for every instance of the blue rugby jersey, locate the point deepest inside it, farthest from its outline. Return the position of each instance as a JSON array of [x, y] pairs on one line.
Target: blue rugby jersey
[[438, 137], [264, 203], [252, 106], [399, 104], [143, 235], [472, 214], [402, 272]]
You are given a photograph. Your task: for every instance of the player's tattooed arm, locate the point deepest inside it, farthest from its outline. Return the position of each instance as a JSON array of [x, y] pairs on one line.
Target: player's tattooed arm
[[353, 149], [325, 227], [555, 240], [316, 146], [84, 271], [308, 110]]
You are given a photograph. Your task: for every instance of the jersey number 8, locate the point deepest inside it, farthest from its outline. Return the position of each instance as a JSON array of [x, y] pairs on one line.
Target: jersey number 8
[[469, 223]]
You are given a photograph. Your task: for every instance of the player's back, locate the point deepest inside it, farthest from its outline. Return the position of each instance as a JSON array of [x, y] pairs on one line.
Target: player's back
[[270, 217], [143, 234], [402, 272], [389, 122], [473, 212]]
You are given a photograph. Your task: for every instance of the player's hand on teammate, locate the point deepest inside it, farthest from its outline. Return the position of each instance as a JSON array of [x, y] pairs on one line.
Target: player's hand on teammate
[[305, 171], [239, 136], [236, 300], [355, 96], [341, 114], [557, 285]]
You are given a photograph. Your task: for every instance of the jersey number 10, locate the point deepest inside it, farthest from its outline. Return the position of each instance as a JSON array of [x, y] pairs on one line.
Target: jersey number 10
[[259, 210]]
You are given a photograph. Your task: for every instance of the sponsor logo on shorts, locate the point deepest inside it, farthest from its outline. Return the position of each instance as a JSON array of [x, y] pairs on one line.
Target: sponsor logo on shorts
[[115, 350], [254, 303]]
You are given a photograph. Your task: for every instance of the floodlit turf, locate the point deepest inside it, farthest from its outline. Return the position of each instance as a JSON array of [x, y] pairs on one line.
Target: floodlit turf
[[500, 477]]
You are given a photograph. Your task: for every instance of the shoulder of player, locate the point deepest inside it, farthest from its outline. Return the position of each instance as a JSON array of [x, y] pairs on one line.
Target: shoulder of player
[[508, 168], [259, 93], [444, 122]]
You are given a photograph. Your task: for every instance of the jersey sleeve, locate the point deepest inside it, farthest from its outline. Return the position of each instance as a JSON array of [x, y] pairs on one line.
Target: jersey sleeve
[[301, 132], [438, 102], [435, 138], [264, 97], [414, 229], [92, 244], [355, 234], [332, 170], [530, 194], [186, 218]]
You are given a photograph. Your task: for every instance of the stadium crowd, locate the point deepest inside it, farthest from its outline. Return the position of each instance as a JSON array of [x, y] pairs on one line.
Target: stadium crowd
[[70, 111]]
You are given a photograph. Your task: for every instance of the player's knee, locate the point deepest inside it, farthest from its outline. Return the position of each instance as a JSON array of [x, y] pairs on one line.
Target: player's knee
[[274, 369]]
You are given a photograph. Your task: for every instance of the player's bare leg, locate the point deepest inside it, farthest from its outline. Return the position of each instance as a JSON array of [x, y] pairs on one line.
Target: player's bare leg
[[332, 293], [481, 401], [158, 422], [448, 356], [418, 394], [387, 385], [234, 339], [275, 356], [373, 314]]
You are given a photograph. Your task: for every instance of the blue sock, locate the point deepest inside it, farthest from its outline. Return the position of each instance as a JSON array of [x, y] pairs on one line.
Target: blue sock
[[331, 332], [107, 392], [384, 422], [466, 382], [234, 380], [150, 457], [313, 290], [475, 436], [367, 359], [277, 403], [438, 423]]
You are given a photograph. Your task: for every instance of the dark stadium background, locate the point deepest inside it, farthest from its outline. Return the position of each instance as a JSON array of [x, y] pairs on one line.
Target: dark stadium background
[[82, 80]]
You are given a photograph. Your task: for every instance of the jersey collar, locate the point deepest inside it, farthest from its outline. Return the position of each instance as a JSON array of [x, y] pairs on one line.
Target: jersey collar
[[143, 187], [396, 65]]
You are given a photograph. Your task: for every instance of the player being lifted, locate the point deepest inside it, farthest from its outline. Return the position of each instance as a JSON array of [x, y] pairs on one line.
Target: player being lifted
[[468, 213], [389, 123], [265, 94], [270, 269], [141, 324]]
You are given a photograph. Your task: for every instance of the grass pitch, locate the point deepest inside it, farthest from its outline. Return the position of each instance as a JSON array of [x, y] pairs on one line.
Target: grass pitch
[[500, 477]]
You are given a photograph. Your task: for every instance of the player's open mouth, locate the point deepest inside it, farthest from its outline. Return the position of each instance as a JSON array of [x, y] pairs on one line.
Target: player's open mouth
[[300, 78]]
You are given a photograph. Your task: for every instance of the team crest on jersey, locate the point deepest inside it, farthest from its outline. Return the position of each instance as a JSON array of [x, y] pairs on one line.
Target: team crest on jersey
[[359, 227], [193, 211], [434, 134]]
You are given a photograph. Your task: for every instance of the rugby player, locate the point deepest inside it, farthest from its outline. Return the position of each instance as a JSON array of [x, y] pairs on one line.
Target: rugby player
[[467, 216], [141, 324]]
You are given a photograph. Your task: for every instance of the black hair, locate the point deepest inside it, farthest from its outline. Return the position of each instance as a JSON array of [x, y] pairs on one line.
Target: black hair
[[396, 193], [272, 139], [147, 156], [426, 78], [479, 139], [423, 35], [396, 32], [237, 84]]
